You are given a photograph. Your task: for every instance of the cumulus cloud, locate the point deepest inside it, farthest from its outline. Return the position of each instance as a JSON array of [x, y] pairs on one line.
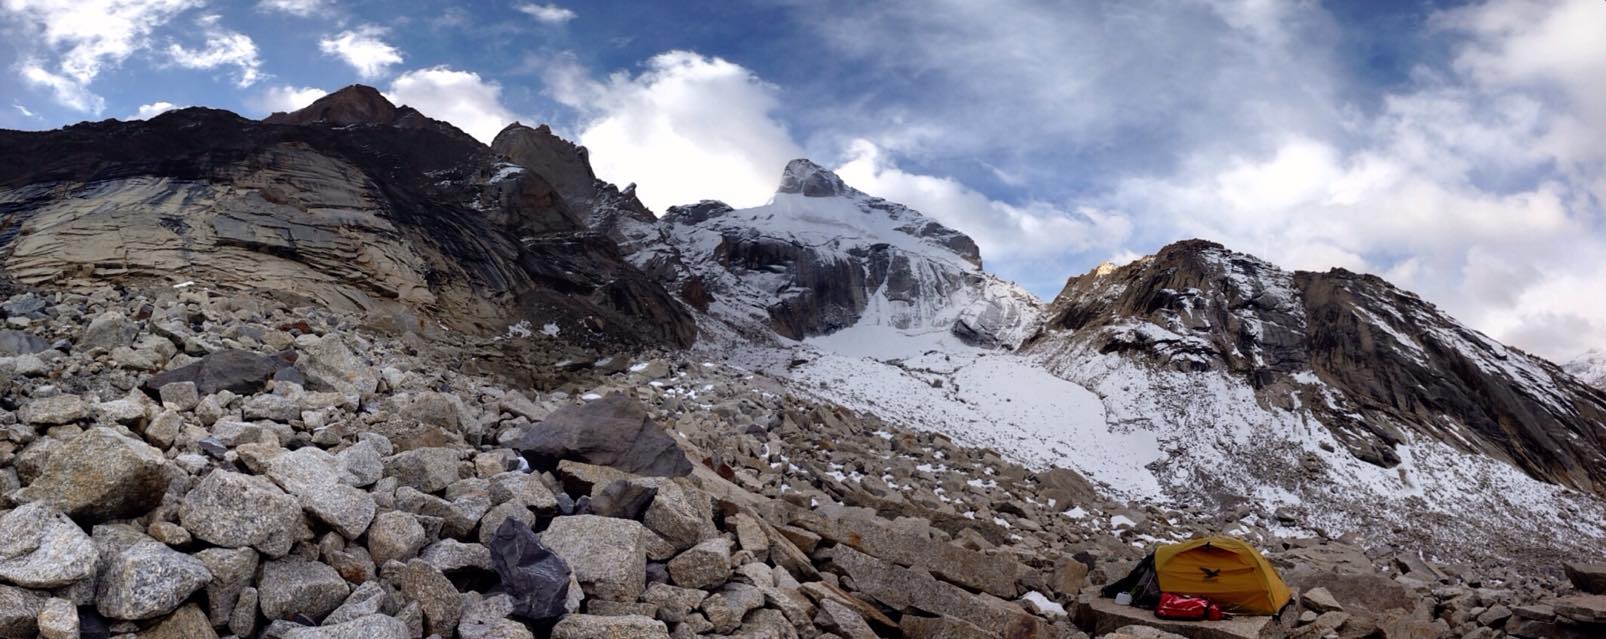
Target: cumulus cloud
[[463, 98], [302, 8], [86, 37], [148, 111], [222, 48], [364, 49], [686, 128], [285, 98], [548, 13]]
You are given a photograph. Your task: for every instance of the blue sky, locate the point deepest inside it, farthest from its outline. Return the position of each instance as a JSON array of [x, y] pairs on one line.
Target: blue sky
[[1451, 147]]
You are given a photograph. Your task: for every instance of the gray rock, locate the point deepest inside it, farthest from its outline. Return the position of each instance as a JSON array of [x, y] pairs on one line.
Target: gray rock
[[232, 571], [148, 580], [180, 395], [100, 475], [607, 555], [901, 589], [19, 612], [395, 535], [275, 407], [368, 627], [726, 608], [234, 510], [108, 330], [41, 548], [236, 371], [674, 603], [331, 365], [58, 620], [14, 343], [1590, 578], [428, 470], [243, 621], [51, 411], [440, 602], [451, 555], [842, 620], [703, 566], [683, 516], [1320, 600], [293, 586], [363, 462], [614, 431], [598, 627], [314, 477], [367, 599], [187, 622], [523, 488]]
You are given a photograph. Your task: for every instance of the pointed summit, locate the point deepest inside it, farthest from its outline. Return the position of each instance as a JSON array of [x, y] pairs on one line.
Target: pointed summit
[[356, 104], [812, 180]]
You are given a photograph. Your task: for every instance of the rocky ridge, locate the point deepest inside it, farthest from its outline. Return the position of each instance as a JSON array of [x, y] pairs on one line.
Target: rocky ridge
[[352, 203], [339, 483]]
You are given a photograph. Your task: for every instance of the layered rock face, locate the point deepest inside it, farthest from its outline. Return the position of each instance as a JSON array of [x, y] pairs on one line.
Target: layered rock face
[[351, 202], [1371, 362], [822, 256]]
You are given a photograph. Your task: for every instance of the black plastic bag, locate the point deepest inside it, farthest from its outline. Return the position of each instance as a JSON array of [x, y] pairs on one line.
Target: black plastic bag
[[537, 578]]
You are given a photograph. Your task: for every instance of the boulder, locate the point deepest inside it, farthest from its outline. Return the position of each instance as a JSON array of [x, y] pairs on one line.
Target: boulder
[[314, 477], [1098, 616], [331, 365], [239, 372], [107, 331], [842, 620], [396, 536], [234, 510], [1590, 578], [291, 586], [19, 612], [726, 608], [102, 474], [440, 602], [536, 577], [148, 580], [614, 431], [1588, 609], [683, 516], [1320, 600], [41, 548], [185, 623], [703, 566], [905, 589], [599, 627], [918, 627], [233, 570], [58, 620], [607, 555], [14, 343], [427, 470], [374, 626], [52, 411]]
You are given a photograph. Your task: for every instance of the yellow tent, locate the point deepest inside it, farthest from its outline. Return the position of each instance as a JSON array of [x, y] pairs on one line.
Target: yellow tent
[[1228, 572]]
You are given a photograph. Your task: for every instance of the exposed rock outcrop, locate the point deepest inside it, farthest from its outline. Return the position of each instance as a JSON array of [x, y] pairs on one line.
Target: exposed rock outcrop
[[351, 202]]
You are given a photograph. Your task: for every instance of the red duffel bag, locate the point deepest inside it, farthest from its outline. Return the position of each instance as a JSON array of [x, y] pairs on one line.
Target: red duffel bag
[[1186, 608]]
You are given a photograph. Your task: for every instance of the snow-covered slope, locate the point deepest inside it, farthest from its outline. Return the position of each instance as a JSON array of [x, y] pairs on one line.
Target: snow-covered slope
[[1589, 367], [822, 257]]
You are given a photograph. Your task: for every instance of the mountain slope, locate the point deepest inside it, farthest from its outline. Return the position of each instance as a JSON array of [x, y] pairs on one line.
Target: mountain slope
[[351, 202], [1589, 367], [821, 257], [1370, 362]]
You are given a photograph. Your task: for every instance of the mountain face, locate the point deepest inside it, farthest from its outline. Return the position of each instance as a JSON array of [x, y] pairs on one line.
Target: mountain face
[[1589, 367], [352, 203], [822, 256], [1374, 364]]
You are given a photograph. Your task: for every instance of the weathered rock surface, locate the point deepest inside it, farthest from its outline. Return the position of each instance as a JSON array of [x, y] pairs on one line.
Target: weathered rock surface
[[148, 580], [100, 475], [41, 548], [235, 510]]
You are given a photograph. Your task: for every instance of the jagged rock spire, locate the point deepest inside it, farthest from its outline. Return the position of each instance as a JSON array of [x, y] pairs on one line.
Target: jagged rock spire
[[812, 180]]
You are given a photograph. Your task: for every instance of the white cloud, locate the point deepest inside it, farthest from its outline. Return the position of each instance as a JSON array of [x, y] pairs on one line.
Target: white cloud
[[1013, 238], [148, 111], [23, 110], [67, 91], [363, 49], [223, 48], [285, 98], [462, 98], [548, 13], [688, 127], [87, 36], [303, 8]]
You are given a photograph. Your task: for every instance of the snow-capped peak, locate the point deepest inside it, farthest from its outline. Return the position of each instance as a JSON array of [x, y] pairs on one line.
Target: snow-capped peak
[[1590, 367], [804, 177]]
